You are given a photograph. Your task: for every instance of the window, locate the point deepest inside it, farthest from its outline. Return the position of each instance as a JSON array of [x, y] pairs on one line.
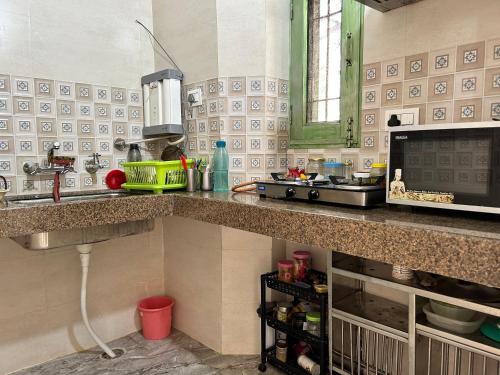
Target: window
[[325, 71]]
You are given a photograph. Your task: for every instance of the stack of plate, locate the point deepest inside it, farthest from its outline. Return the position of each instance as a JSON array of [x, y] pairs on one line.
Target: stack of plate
[[453, 318]]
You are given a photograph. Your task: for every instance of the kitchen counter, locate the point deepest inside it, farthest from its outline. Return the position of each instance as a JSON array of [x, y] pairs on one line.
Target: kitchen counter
[[457, 245]]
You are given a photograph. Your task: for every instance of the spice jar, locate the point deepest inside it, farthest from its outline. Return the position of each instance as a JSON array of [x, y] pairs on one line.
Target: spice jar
[[313, 323], [377, 173], [301, 265], [335, 169], [281, 349], [285, 271], [315, 165], [298, 320], [284, 309]]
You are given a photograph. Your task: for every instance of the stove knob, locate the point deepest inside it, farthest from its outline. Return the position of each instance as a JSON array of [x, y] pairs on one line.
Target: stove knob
[[290, 192], [313, 194]]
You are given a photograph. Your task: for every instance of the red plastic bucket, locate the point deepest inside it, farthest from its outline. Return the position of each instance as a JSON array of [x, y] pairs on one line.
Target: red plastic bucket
[[156, 317]]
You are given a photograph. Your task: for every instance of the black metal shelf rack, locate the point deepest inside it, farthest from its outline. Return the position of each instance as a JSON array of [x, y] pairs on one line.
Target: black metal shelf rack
[[319, 344]]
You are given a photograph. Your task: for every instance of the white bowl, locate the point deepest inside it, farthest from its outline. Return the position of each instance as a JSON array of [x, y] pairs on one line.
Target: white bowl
[[453, 325], [452, 311]]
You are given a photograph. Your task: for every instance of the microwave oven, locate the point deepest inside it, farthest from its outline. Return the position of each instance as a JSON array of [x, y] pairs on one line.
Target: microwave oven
[[452, 166]]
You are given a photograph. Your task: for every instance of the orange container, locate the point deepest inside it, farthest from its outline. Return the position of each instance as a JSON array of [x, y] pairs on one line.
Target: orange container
[[156, 317]]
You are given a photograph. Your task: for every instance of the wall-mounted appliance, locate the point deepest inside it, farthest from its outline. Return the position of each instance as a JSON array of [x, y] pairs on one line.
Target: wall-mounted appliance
[[162, 103], [387, 5], [454, 166]]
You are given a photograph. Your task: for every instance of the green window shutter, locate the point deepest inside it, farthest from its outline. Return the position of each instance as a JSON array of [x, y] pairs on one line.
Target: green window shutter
[[324, 134]]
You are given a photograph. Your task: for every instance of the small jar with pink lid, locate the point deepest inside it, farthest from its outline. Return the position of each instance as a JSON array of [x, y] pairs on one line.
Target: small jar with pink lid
[[301, 265], [285, 271]]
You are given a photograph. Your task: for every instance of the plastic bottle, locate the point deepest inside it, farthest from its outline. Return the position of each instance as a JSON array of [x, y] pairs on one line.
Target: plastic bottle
[[220, 166]]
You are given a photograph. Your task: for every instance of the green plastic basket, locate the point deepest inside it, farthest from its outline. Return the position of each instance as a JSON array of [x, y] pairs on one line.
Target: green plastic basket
[[155, 175]]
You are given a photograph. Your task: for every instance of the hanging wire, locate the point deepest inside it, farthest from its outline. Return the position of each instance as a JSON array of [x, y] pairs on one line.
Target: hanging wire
[[159, 44]]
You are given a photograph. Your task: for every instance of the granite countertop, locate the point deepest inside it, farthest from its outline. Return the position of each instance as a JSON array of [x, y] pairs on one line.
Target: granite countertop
[[458, 245]]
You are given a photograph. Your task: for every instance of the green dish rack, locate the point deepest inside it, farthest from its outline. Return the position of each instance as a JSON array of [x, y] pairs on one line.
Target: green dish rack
[[155, 175]]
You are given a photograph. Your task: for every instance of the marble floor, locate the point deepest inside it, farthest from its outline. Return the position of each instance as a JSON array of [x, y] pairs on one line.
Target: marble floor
[[177, 355]]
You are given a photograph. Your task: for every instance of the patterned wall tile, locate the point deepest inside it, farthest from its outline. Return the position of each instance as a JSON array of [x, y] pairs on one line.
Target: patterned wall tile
[[415, 91], [491, 108], [22, 86], [46, 126], [256, 105], [492, 81], [23, 106], [393, 70], [370, 119], [440, 88], [371, 96], [44, 88], [5, 83], [83, 92], [442, 61], [236, 86], [271, 86], [102, 94], [237, 106], [439, 112], [6, 127], [372, 74], [467, 110], [65, 90], [470, 56], [469, 84], [255, 86], [392, 94], [417, 66], [369, 141], [492, 53]]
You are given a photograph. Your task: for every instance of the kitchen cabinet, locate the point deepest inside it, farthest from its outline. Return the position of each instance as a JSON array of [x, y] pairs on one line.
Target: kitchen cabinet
[[369, 334]]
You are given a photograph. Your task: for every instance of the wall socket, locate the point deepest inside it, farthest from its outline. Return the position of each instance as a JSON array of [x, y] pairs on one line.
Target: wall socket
[[194, 97], [407, 116]]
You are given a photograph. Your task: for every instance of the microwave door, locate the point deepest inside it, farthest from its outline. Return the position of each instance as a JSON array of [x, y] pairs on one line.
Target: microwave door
[[459, 167]]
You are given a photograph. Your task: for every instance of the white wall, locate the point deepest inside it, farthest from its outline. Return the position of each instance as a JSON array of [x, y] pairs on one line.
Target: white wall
[[188, 31], [84, 41], [40, 296], [428, 25], [277, 38], [241, 32]]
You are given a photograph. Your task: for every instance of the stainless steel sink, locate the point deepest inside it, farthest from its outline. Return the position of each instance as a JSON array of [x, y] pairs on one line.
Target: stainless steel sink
[[78, 236], [70, 198]]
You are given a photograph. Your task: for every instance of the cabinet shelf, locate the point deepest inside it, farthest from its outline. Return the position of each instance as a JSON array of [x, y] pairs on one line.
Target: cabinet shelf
[[475, 342], [308, 294], [373, 311], [305, 336], [442, 288], [289, 367]]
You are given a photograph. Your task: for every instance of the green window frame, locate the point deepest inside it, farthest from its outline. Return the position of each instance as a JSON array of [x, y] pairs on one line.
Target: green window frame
[[346, 132]]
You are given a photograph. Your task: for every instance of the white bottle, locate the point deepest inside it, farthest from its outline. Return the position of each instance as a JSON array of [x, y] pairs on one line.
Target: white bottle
[[308, 364]]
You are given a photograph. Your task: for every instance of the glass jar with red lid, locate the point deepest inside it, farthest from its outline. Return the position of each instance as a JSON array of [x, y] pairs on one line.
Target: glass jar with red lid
[[301, 265], [285, 271]]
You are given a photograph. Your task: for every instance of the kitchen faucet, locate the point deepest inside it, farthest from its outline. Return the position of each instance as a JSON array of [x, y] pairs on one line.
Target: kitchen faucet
[[93, 165], [55, 164]]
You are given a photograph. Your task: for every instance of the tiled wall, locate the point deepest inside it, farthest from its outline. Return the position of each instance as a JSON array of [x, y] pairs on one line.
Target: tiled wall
[[84, 118], [456, 84], [251, 114]]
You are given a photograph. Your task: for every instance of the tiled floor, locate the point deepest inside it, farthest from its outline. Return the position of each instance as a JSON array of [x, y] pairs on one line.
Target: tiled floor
[[177, 355]]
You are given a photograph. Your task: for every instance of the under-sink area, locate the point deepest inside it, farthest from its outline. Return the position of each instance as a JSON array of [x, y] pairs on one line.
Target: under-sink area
[[77, 236]]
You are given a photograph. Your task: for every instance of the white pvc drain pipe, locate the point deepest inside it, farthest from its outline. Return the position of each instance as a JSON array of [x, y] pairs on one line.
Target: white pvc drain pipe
[[84, 251]]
